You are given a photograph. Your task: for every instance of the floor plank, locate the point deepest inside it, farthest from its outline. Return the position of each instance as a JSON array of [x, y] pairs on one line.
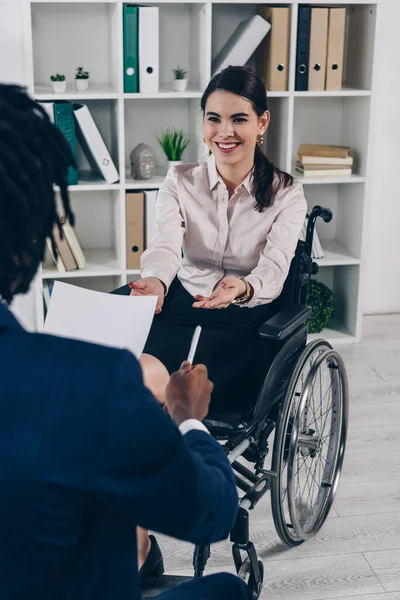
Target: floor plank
[[386, 566]]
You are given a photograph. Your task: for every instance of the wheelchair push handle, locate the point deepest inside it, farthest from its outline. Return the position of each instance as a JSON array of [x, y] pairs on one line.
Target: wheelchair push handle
[[325, 214]]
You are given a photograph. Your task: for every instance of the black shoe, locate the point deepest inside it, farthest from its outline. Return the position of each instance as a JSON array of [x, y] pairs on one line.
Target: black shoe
[[154, 564]]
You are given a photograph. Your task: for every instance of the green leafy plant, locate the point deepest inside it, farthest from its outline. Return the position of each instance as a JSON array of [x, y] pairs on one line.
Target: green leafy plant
[[81, 74], [57, 77], [174, 143], [179, 73], [322, 301]]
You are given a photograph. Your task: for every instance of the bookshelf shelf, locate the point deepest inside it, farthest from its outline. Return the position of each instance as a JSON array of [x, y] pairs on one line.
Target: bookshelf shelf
[[336, 254], [191, 34], [95, 92], [90, 182], [330, 180], [100, 262]]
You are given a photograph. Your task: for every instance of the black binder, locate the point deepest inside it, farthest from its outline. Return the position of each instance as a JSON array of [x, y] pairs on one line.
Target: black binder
[[303, 48]]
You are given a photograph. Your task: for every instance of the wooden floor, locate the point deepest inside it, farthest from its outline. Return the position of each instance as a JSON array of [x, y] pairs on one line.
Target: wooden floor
[[357, 553]]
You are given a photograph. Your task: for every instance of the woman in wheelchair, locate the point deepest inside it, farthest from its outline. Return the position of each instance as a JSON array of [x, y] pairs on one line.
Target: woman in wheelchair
[[226, 233]]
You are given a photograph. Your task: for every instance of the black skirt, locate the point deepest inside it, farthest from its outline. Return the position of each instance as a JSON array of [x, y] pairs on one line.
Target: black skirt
[[229, 345]]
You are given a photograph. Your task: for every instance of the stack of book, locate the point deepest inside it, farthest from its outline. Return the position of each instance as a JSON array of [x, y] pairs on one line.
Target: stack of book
[[70, 254], [323, 161]]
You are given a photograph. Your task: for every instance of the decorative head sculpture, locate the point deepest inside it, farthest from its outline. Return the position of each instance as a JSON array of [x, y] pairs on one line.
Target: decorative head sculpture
[[143, 162]]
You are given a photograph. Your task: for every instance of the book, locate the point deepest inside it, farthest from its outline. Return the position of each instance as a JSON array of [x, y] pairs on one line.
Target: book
[[50, 260], [323, 150], [242, 43], [324, 172], [93, 145], [64, 250], [74, 244], [325, 160]]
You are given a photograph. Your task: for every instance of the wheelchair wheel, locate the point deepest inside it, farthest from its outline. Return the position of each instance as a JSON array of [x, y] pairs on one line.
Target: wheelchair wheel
[[309, 444]]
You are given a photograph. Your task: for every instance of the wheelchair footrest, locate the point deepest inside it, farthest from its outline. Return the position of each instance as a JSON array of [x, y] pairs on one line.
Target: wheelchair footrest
[[155, 586]]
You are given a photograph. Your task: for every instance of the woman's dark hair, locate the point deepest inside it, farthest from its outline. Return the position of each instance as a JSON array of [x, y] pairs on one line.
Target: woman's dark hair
[[267, 179], [34, 155]]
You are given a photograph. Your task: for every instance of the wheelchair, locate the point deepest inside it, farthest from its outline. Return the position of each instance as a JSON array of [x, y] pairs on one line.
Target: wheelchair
[[304, 401]]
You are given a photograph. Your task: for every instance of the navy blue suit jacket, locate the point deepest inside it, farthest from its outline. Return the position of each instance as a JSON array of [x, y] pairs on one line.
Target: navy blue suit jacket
[[86, 454]]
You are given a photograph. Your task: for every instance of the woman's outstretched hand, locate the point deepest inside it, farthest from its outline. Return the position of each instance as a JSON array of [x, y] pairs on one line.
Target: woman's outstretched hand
[[228, 289], [149, 286]]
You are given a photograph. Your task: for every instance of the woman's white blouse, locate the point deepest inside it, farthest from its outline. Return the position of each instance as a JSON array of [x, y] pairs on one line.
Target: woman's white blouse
[[222, 236]]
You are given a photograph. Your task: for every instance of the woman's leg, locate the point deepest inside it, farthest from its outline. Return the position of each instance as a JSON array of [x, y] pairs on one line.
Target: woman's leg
[[156, 378]]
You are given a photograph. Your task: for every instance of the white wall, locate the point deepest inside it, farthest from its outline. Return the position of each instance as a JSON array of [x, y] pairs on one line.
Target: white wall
[[382, 270]]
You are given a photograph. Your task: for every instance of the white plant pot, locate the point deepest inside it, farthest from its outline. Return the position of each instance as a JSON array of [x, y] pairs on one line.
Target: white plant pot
[[59, 87], [173, 163], [180, 85], [82, 84]]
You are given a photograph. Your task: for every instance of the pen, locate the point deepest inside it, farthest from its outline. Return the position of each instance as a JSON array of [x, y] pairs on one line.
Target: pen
[[193, 345]]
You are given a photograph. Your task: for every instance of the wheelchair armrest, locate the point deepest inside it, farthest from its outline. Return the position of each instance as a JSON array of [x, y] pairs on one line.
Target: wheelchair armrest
[[285, 322]]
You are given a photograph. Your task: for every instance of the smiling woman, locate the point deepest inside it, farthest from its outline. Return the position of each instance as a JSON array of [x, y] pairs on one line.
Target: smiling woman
[[226, 232]]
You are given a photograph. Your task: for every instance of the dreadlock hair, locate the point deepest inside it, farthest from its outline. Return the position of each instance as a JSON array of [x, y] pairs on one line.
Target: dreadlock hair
[[34, 155], [267, 179]]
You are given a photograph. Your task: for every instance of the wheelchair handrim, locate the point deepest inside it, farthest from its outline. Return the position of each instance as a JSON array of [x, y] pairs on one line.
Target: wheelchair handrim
[[333, 463]]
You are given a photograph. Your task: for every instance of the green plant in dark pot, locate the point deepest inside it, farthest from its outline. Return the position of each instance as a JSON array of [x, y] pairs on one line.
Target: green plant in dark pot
[[322, 301]]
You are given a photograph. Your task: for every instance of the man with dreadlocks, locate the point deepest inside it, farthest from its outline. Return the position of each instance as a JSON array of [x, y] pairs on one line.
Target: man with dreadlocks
[[86, 452]]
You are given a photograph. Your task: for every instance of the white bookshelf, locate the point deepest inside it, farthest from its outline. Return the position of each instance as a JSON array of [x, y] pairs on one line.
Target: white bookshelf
[[60, 36]]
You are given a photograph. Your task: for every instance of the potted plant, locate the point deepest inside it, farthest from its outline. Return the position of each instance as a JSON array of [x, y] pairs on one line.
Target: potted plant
[[174, 142], [179, 81], [81, 79], [59, 83]]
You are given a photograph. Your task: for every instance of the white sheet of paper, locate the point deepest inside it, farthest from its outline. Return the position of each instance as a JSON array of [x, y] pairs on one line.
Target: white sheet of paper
[[108, 319]]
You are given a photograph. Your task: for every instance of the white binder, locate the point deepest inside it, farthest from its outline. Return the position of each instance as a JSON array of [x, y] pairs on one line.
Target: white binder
[[150, 216], [148, 49], [242, 43], [93, 144]]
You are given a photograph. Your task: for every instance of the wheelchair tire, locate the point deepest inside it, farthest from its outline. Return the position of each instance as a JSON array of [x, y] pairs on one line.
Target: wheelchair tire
[[299, 442]]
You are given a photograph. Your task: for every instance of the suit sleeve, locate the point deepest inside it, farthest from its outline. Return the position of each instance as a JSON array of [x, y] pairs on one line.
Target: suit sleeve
[[182, 486]]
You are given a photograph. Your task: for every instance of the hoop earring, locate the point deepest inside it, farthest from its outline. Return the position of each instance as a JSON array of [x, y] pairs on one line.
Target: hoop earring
[[260, 140]]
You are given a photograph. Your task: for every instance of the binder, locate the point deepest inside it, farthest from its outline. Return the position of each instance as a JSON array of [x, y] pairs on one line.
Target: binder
[[93, 145], [273, 52], [148, 49], [242, 43], [134, 210], [303, 48], [130, 31], [64, 120], [318, 43], [150, 218], [335, 50]]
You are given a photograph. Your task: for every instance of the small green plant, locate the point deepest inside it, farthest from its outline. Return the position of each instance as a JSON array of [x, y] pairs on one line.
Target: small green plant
[[174, 143], [81, 74], [57, 77], [322, 301], [179, 73]]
